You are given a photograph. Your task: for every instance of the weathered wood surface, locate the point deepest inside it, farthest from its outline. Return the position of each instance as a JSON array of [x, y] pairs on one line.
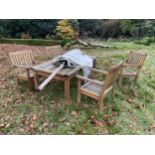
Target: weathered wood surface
[[98, 89], [65, 74], [53, 51], [133, 65], [21, 61], [50, 78], [86, 44], [49, 68]]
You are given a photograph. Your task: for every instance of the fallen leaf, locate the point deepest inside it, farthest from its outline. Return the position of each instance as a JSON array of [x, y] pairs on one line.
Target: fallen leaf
[[106, 116], [67, 124], [34, 117], [96, 122], [2, 125], [111, 122], [26, 122], [74, 113], [153, 126], [45, 125], [7, 125], [114, 113], [32, 126], [141, 106], [129, 100]]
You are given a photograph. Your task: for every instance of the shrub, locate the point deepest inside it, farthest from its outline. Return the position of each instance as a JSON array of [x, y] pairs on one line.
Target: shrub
[[90, 27], [2, 33], [111, 28], [75, 25], [38, 42], [146, 41], [25, 36], [125, 26], [65, 31]]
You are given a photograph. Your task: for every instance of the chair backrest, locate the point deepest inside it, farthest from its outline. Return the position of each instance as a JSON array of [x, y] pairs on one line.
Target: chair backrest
[[112, 76], [21, 58], [136, 58], [53, 51]]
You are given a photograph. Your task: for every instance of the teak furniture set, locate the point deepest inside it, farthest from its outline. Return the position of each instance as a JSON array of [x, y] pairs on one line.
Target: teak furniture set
[[26, 69]]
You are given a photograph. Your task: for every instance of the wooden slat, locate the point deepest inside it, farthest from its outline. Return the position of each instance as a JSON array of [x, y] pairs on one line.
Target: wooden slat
[[53, 51], [95, 89]]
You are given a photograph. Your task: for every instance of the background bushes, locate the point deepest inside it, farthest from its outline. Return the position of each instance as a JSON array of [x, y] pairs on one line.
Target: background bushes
[[137, 29], [39, 42]]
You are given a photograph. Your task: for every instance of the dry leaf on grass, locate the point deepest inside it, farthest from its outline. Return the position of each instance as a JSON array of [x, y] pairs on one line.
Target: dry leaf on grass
[[74, 113], [96, 122], [45, 125], [34, 117], [2, 125]]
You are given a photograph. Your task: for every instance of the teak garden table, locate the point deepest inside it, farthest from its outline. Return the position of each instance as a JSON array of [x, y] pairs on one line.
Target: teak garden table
[[66, 74]]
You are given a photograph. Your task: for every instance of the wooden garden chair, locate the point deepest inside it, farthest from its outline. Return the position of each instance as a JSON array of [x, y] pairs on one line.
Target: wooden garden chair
[[21, 62], [53, 51], [99, 89], [133, 65]]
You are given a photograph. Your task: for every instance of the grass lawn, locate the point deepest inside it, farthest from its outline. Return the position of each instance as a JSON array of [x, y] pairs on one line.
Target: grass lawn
[[132, 111]]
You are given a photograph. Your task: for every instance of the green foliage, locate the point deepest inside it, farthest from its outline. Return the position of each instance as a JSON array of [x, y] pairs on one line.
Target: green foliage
[[125, 26], [38, 42], [37, 28], [96, 28], [2, 32], [74, 24], [90, 27], [25, 36], [145, 40], [142, 28], [110, 28], [65, 31]]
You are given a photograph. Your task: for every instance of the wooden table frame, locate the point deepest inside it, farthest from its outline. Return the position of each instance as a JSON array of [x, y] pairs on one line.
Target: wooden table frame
[[61, 76]]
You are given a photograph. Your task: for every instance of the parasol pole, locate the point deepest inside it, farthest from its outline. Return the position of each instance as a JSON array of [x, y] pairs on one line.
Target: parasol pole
[[50, 78]]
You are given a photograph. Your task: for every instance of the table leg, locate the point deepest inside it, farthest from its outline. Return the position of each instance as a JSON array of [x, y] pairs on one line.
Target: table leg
[[36, 80], [67, 89]]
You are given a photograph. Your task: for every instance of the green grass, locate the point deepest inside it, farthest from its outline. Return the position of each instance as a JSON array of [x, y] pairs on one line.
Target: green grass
[[36, 42], [131, 111]]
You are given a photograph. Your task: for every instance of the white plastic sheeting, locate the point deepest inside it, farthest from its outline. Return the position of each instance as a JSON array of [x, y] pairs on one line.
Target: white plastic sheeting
[[77, 57]]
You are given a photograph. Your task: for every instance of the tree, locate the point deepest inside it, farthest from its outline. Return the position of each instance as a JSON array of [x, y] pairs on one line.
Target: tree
[[65, 31], [125, 26], [90, 27], [34, 27], [111, 28]]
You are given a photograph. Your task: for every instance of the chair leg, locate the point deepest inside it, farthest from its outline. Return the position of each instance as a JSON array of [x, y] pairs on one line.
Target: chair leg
[[17, 81], [136, 78], [120, 81], [113, 91], [79, 94], [100, 105], [79, 97], [30, 84]]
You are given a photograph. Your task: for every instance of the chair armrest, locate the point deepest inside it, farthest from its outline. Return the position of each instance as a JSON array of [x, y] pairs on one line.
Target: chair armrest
[[89, 80], [23, 66], [130, 65], [99, 71], [26, 67]]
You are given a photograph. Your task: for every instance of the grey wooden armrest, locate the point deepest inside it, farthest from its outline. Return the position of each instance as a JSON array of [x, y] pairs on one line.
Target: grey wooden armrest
[[89, 80], [99, 71], [130, 65], [23, 66]]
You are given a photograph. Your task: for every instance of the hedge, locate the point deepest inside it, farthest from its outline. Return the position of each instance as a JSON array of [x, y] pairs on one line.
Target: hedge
[[38, 42]]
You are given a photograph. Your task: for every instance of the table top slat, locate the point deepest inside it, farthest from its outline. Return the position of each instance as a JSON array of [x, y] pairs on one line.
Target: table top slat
[[48, 67]]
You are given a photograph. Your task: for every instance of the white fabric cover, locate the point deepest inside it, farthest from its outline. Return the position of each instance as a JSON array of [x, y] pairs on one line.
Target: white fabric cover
[[76, 57]]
